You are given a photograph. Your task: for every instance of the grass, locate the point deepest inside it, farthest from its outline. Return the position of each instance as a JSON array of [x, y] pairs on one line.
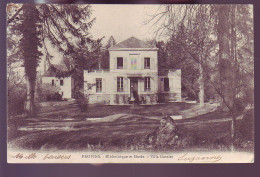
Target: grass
[[60, 108], [51, 130]]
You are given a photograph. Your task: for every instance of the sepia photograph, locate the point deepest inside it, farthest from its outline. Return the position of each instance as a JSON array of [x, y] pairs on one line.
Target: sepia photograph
[[130, 83]]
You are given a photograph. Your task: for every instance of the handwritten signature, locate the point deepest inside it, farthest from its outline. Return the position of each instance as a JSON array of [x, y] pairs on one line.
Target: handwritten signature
[[44, 157], [197, 158]]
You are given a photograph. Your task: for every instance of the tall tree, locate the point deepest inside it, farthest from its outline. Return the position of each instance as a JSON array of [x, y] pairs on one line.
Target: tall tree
[[29, 45], [188, 28], [105, 53], [65, 27], [162, 55], [229, 66], [218, 38]]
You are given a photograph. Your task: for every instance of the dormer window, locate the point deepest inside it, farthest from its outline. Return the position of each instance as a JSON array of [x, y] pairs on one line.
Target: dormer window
[[119, 62], [147, 63]]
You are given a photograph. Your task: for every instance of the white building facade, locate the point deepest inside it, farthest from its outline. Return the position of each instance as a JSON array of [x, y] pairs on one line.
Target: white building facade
[[133, 68], [65, 84]]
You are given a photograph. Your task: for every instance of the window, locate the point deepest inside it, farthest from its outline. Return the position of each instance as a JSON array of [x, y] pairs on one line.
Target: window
[[146, 63], [119, 62], [133, 58], [120, 84], [147, 84], [52, 82], [61, 82], [98, 84], [166, 84]]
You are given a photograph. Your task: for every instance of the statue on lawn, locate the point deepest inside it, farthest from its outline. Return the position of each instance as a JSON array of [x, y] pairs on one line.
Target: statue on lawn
[[166, 135]]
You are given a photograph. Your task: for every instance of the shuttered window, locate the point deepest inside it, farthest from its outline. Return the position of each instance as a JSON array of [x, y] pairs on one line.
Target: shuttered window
[[120, 62], [120, 84], [147, 84], [98, 84], [147, 63], [166, 84]]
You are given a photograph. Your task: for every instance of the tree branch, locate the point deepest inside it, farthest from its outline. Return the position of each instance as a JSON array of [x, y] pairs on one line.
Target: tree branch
[[15, 15]]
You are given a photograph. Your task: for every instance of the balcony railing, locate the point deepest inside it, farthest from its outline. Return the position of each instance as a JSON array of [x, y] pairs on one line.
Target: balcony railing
[[160, 71], [98, 71]]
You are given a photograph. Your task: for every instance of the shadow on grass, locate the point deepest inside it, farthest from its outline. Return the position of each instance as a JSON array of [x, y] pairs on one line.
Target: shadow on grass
[[62, 128], [127, 134]]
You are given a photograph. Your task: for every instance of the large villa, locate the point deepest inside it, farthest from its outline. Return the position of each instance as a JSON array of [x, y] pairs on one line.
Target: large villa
[[133, 69], [133, 73]]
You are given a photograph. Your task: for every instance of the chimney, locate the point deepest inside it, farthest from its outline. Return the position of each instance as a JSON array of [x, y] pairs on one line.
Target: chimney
[[111, 43]]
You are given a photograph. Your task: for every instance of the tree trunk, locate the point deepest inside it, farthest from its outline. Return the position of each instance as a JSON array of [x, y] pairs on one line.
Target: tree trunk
[[201, 86], [99, 63], [226, 71], [236, 72], [78, 82], [225, 66], [233, 133], [30, 104]]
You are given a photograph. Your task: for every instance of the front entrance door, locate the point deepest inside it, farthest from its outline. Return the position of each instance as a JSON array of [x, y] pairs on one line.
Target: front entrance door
[[133, 87]]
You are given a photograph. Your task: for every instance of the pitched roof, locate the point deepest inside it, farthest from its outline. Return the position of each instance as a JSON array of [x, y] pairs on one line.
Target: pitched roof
[[132, 43], [54, 69], [61, 67]]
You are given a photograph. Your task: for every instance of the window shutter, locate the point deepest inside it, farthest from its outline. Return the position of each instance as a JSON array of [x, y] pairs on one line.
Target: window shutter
[[114, 85], [93, 83], [138, 62], [125, 63], [152, 83], [103, 85], [115, 63], [142, 63], [162, 84], [151, 63], [141, 85], [125, 80]]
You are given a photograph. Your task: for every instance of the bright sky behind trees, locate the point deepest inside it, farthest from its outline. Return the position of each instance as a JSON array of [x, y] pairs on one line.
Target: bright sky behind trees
[[122, 21]]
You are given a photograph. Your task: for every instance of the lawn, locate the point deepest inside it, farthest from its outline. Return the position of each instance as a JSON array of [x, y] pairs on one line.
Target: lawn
[[72, 110], [62, 127]]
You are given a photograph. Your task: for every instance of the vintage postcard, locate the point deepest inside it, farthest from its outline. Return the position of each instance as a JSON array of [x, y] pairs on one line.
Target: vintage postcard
[[167, 83]]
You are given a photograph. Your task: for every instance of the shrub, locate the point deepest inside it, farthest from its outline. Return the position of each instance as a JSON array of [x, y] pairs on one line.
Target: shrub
[[246, 128], [192, 96], [16, 100], [47, 92]]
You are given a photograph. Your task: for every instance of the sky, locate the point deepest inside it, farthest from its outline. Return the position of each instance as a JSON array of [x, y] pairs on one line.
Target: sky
[[122, 21]]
